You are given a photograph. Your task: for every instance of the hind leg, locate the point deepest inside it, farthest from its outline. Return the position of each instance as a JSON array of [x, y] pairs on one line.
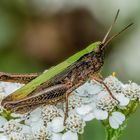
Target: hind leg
[[99, 79], [66, 107]]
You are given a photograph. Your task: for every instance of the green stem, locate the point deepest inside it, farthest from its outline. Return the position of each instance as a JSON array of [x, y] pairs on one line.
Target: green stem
[[114, 134], [110, 135], [80, 137]]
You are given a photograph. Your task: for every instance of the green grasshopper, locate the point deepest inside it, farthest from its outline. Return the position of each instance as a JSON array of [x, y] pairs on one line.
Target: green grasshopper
[[56, 84]]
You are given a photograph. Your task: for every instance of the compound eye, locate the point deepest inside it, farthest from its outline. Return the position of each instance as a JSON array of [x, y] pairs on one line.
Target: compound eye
[[101, 46]]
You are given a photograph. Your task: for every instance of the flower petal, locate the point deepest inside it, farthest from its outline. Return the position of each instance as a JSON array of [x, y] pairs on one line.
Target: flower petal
[[119, 115], [56, 136], [100, 114], [89, 117], [57, 124], [35, 114], [116, 119], [2, 121], [26, 129], [113, 123], [84, 109], [70, 136], [124, 101], [94, 88], [37, 125], [3, 137]]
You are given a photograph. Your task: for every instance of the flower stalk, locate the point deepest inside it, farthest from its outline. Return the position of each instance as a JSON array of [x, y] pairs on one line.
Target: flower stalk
[[114, 134]]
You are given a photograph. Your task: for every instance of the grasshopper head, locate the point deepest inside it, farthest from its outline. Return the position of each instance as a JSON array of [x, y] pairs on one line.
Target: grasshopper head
[[99, 49]]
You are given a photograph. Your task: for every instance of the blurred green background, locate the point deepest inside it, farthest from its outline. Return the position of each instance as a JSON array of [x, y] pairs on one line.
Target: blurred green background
[[37, 34]]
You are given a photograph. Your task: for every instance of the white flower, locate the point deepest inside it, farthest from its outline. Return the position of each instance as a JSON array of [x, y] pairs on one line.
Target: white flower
[[2, 121], [92, 87], [57, 124], [74, 101], [36, 125], [113, 84], [19, 136], [26, 129], [116, 119], [88, 90], [12, 126], [3, 137], [132, 91], [100, 114], [70, 136], [1, 88], [35, 115], [42, 133], [123, 101], [49, 112], [89, 117], [75, 123], [84, 110], [106, 103], [56, 136]]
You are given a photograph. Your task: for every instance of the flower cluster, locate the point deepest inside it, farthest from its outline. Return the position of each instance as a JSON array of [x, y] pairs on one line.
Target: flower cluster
[[90, 101]]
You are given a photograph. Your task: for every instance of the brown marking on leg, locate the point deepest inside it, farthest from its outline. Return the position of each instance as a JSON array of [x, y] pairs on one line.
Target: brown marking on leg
[[99, 79], [17, 78], [66, 107]]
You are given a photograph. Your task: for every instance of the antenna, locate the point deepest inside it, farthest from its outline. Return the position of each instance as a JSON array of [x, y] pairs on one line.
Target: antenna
[[114, 36], [110, 28]]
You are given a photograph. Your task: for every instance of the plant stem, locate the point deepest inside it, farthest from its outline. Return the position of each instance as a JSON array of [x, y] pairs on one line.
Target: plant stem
[[112, 134], [81, 137]]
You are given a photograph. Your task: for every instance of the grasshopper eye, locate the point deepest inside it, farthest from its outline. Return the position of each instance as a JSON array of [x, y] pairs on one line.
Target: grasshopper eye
[[97, 50]]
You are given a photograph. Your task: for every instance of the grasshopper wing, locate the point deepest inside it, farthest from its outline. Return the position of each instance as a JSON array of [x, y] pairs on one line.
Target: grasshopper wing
[[52, 72], [50, 95]]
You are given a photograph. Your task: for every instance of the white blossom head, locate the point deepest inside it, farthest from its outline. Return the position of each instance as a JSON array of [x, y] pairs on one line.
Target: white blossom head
[[106, 103], [132, 91], [12, 126], [19, 136], [75, 123], [49, 112], [42, 133], [113, 84], [74, 101]]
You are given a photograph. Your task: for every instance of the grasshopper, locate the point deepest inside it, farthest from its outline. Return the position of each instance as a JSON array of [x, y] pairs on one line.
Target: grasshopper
[[56, 84]]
